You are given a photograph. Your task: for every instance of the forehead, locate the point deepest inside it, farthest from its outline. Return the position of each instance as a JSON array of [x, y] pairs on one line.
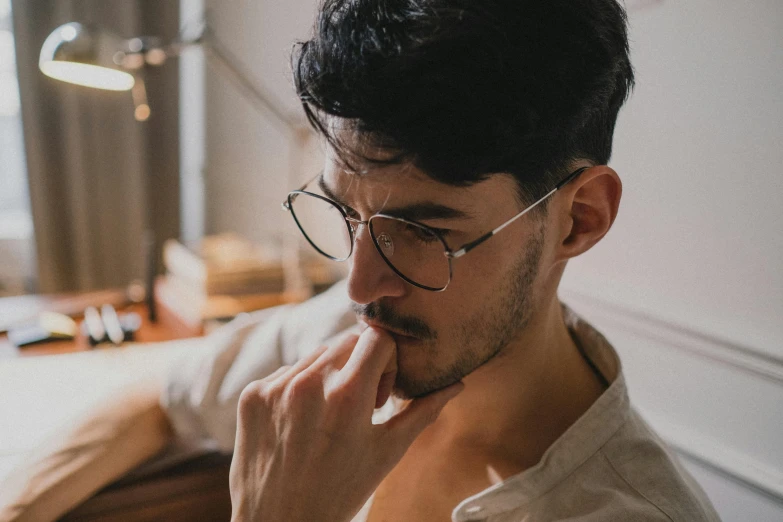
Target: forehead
[[380, 187], [383, 183]]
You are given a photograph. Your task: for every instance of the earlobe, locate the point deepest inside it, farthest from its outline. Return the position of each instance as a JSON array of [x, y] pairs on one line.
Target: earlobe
[[590, 207]]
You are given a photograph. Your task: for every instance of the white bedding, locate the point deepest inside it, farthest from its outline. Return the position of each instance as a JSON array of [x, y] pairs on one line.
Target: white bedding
[[40, 396]]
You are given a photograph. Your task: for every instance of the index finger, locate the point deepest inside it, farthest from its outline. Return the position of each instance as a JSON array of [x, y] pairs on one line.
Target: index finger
[[374, 355], [338, 350]]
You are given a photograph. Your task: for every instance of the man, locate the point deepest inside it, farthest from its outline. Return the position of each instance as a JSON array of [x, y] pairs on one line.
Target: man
[[466, 158], [467, 144]]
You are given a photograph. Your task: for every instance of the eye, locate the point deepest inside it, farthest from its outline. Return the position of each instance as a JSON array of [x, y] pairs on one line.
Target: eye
[[442, 232], [427, 235], [351, 213]]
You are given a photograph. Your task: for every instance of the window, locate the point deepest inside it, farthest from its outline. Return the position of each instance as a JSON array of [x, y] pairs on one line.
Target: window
[[16, 228]]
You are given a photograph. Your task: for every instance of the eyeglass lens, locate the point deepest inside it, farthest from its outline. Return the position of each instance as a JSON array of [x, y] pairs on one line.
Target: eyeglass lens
[[414, 252], [323, 225]]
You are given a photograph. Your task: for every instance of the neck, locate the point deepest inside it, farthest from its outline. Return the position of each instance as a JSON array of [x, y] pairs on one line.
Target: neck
[[516, 405]]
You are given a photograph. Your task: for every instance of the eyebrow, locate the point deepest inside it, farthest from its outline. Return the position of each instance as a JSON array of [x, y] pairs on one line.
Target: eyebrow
[[413, 212]]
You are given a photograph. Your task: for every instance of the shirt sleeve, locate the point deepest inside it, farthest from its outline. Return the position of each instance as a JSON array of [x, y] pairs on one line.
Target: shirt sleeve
[[202, 388]]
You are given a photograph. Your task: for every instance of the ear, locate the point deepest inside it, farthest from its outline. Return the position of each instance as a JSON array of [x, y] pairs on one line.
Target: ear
[[588, 208]]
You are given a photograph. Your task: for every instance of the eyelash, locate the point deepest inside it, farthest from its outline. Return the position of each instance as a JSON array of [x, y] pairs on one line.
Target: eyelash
[[425, 238], [421, 234], [442, 232]]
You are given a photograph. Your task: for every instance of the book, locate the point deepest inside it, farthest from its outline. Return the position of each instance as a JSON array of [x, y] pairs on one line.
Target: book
[[195, 308], [225, 264], [273, 285], [225, 275]]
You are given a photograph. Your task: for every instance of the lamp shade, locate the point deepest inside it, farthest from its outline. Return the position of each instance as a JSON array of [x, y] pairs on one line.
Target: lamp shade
[[78, 54]]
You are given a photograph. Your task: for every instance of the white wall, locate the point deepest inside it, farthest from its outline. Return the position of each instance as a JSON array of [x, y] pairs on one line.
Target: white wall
[[700, 149], [688, 285], [251, 163]]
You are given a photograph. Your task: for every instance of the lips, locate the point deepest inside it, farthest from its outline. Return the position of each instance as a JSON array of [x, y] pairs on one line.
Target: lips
[[398, 336]]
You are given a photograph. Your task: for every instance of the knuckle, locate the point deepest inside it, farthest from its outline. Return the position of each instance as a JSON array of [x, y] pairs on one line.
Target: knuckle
[[276, 374], [304, 385], [344, 391], [348, 385], [251, 391], [252, 396]]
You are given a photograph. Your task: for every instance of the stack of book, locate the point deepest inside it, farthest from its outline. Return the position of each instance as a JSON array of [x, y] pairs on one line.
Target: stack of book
[[221, 276]]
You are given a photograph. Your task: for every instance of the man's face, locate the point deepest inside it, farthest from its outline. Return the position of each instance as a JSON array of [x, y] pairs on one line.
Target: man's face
[[442, 336]]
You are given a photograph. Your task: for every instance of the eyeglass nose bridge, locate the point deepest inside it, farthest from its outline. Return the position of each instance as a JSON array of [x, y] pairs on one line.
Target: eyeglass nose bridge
[[354, 224]]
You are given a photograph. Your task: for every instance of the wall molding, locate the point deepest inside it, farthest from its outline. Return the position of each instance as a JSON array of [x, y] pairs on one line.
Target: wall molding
[[705, 450], [683, 338], [719, 458]]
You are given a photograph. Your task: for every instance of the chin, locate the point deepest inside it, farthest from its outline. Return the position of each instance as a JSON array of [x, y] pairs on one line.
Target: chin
[[409, 387], [416, 370], [421, 369]]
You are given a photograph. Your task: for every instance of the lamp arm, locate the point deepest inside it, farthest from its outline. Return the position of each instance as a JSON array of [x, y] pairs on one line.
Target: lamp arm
[[247, 83]]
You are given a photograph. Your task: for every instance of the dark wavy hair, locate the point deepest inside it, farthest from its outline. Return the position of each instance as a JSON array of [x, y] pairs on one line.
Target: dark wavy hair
[[465, 89]]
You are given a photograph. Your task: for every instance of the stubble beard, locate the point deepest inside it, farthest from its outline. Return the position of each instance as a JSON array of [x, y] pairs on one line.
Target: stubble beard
[[487, 332]]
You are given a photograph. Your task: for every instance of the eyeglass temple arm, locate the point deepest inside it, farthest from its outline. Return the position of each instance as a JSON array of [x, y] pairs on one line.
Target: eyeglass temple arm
[[476, 242]]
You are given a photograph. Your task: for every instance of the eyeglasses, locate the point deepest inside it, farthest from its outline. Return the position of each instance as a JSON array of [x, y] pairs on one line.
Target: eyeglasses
[[415, 252]]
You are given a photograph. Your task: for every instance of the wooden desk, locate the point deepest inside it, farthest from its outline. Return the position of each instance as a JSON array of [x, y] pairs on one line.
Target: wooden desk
[[196, 490], [167, 327]]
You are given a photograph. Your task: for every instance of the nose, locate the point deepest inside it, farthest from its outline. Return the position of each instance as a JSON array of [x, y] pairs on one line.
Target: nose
[[370, 278]]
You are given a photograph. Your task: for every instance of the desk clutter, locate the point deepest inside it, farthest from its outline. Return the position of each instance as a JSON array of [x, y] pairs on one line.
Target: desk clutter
[[49, 326], [205, 284], [109, 326], [97, 327], [221, 276]]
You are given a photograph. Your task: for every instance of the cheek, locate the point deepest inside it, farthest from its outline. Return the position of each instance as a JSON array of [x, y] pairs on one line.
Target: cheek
[[473, 284], [479, 272], [477, 279]]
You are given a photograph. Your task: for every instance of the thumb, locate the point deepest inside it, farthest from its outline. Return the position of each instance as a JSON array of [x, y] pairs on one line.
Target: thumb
[[420, 413]]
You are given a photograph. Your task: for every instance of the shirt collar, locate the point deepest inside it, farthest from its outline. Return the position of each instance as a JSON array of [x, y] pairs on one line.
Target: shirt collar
[[579, 442]]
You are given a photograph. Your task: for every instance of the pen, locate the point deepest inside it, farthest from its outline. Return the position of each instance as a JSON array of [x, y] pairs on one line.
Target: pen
[[112, 324], [94, 324]]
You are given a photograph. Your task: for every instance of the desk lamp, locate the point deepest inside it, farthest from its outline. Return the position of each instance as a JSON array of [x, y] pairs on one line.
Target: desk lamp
[[93, 57]]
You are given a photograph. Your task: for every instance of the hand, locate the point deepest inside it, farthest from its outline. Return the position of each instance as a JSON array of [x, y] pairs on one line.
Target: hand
[[306, 448]]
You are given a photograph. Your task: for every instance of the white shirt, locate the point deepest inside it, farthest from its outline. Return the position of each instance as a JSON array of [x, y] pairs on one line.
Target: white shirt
[[609, 465]]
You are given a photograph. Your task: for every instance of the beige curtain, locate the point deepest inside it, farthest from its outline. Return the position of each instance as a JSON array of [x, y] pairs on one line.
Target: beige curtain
[[98, 178]]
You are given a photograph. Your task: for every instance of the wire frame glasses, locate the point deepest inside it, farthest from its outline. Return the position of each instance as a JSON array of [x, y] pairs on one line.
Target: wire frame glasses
[[416, 252]]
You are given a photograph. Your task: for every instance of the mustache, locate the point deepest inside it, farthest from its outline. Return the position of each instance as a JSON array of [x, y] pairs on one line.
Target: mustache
[[381, 313]]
